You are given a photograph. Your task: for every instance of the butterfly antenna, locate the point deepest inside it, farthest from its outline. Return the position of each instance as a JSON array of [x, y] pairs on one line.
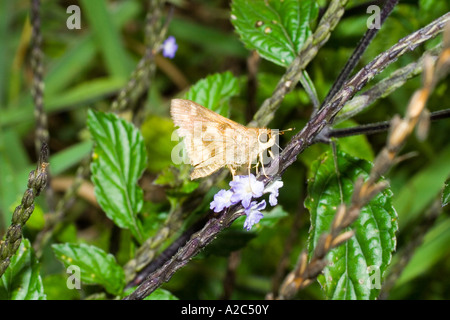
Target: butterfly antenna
[[283, 131]]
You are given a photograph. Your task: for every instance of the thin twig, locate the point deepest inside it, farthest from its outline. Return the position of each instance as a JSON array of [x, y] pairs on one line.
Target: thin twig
[[37, 66], [229, 280], [57, 220], [37, 91], [377, 127]]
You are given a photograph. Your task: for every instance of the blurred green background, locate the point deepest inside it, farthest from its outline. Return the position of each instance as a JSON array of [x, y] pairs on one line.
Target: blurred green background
[[85, 69]]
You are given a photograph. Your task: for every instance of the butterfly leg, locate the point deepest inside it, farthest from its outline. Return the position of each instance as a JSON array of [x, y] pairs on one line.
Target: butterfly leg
[[262, 165], [232, 171], [256, 167], [249, 168], [271, 154]]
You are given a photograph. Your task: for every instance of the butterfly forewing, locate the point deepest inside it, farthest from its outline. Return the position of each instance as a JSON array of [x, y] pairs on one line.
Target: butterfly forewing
[[213, 141]]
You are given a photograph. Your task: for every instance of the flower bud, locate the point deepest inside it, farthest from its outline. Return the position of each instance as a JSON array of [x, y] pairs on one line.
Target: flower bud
[[31, 178], [14, 233], [3, 265], [15, 245], [28, 198], [26, 214], [41, 181], [3, 250], [16, 215]]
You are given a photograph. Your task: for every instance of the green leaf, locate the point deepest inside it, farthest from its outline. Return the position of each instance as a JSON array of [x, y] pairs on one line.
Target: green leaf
[[108, 37], [415, 195], [13, 159], [157, 132], [161, 294], [119, 161], [22, 281], [86, 92], [433, 249], [276, 29], [446, 193], [356, 267], [208, 38], [96, 266], [158, 294], [214, 91], [357, 145], [177, 181], [66, 69], [55, 287]]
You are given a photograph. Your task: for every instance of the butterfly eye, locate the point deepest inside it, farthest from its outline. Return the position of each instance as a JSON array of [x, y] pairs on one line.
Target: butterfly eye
[[263, 137]]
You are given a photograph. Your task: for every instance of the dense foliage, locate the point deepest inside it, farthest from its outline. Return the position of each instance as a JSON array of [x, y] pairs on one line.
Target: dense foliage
[[117, 206]]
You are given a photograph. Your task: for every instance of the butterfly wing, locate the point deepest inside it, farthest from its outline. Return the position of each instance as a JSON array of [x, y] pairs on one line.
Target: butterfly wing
[[207, 135]]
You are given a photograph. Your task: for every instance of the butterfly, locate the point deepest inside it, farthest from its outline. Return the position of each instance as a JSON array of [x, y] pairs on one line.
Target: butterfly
[[213, 141]]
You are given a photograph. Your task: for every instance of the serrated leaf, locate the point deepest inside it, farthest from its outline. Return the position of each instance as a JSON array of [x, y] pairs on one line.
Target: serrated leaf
[[446, 193], [214, 91], [119, 160], [22, 281], [277, 30], [356, 267], [96, 266]]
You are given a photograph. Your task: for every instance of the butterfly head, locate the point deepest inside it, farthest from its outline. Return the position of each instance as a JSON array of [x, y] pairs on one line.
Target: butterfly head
[[266, 138]]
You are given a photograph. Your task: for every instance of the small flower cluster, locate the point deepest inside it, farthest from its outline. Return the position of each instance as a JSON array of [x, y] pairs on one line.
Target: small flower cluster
[[243, 190], [169, 47]]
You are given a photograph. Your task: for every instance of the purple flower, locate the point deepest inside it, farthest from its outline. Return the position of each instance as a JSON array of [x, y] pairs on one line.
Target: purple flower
[[245, 188], [253, 214], [222, 199], [169, 47], [273, 190]]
